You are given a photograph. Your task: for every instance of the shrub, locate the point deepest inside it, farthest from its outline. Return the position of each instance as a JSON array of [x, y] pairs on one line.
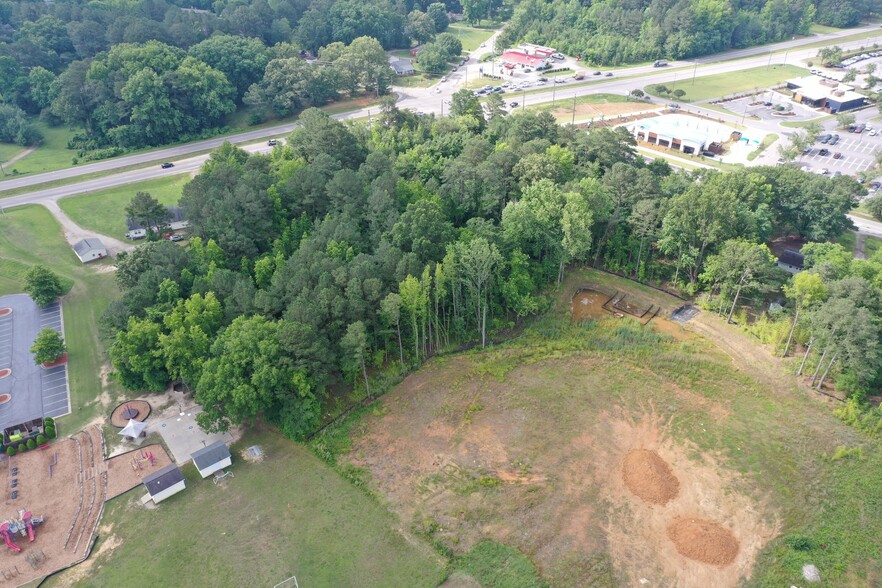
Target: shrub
[[21, 448], [799, 542], [50, 432], [31, 443], [41, 440], [10, 451]]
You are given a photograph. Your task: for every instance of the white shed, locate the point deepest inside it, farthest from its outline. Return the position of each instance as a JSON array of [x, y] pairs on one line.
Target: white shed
[[212, 458], [90, 249], [164, 483]]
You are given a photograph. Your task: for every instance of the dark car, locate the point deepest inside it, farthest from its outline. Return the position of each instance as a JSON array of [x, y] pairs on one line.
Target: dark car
[[542, 79], [767, 103], [824, 139], [272, 142], [806, 150], [708, 153], [837, 155], [834, 139], [513, 104], [167, 165], [824, 152], [608, 74], [597, 73]]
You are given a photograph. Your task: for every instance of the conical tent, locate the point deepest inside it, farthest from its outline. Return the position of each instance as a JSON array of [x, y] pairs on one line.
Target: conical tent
[[133, 429]]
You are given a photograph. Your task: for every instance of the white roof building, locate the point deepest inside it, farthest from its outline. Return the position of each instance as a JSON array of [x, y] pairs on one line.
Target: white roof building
[[90, 249]]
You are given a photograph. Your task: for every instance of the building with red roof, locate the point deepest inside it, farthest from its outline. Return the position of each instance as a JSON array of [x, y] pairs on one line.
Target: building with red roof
[[519, 58]]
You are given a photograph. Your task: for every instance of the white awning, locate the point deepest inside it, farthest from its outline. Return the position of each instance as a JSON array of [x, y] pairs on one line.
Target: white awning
[[133, 429]]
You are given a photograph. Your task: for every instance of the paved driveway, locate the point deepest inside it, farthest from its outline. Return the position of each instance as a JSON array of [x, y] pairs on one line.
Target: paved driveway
[[182, 435]]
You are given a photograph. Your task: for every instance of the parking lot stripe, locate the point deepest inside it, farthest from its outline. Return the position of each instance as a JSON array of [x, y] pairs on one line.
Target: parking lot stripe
[[58, 387]]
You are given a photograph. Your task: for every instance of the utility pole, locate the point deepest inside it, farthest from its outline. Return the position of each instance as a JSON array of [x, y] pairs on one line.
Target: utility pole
[[524, 100], [768, 65], [694, 71], [553, 90], [573, 122]]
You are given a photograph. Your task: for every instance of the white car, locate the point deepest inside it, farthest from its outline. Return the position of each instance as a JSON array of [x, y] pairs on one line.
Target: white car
[[823, 171], [558, 56], [873, 132]]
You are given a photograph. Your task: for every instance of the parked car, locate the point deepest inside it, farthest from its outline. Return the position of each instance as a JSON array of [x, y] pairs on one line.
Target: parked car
[[558, 56], [136, 234], [176, 238], [167, 165], [528, 70], [860, 128], [444, 79], [873, 133], [708, 153], [272, 142], [837, 155], [806, 150], [823, 171], [824, 152], [837, 173], [825, 138], [834, 139]]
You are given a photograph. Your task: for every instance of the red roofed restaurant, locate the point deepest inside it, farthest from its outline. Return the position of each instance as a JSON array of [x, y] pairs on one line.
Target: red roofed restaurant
[[512, 58]]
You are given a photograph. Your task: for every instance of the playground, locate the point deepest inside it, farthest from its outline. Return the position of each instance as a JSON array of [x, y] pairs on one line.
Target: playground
[[65, 484]]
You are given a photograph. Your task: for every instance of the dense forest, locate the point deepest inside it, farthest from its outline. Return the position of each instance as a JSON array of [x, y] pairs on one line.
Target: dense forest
[[134, 73], [356, 248], [613, 32]]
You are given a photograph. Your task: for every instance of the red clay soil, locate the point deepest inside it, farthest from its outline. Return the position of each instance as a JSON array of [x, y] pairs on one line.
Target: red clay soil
[[5, 311], [61, 361], [703, 541], [649, 477]]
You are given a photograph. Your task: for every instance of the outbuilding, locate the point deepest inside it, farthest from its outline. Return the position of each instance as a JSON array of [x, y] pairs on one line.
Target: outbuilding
[[165, 483], [791, 261], [90, 249], [402, 67], [212, 458]]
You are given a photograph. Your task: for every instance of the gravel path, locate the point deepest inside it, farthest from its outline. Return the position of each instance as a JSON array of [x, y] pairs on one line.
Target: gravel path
[[74, 232]]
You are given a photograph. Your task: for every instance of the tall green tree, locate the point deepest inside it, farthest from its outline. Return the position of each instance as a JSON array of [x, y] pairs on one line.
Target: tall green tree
[[42, 285], [48, 346], [146, 210], [355, 345]]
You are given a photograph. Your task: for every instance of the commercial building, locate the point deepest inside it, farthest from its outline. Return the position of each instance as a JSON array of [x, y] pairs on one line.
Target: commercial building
[[828, 95], [510, 59], [537, 50], [688, 134]]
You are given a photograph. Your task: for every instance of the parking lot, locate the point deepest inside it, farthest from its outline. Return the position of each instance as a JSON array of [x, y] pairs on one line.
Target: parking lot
[[763, 107], [858, 154], [35, 392]]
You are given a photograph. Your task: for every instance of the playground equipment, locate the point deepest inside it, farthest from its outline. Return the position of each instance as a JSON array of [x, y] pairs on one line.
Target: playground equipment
[[7, 536], [221, 475], [24, 524], [139, 462]]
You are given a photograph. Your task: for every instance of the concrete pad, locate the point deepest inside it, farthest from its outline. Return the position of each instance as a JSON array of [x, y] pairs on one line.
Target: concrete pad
[[182, 435]]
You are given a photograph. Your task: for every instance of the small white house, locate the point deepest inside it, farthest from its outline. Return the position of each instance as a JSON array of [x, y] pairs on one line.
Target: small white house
[[212, 458], [90, 249], [791, 261], [164, 483]]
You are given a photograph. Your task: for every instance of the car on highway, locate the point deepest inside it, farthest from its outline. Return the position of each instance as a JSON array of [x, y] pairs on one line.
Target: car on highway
[[167, 165], [597, 73], [513, 104], [444, 78], [824, 152], [272, 142], [608, 74], [560, 80], [837, 155]]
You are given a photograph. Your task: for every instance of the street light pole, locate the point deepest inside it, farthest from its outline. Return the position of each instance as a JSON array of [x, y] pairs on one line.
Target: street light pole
[[694, 71]]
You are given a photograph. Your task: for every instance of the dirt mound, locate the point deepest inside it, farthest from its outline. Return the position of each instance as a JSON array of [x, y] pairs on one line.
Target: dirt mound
[[649, 477], [703, 541]]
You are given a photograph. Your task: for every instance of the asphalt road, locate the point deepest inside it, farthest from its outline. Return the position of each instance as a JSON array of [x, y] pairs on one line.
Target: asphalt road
[[426, 100]]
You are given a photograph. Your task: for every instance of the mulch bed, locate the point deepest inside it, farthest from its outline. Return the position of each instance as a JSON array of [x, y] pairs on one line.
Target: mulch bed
[[60, 361], [703, 541], [118, 418]]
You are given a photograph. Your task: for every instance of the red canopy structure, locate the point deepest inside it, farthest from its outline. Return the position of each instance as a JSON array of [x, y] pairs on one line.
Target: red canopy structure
[[517, 57]]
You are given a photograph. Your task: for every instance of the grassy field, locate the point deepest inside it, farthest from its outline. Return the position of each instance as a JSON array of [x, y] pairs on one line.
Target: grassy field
[[871, 244], [522, 444], [798, 124], [819, 29], [719, 85], [289, 515], [471, 38], [104, 211], [29, 236], [52, 153]]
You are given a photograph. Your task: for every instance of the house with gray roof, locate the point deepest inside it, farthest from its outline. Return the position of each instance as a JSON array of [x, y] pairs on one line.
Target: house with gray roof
[[90, 249]]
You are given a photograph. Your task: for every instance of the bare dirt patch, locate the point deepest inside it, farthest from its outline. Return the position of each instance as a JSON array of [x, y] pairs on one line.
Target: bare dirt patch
[[606, 109], [649, 477], [643, 542], [125, 471], [703, 541]]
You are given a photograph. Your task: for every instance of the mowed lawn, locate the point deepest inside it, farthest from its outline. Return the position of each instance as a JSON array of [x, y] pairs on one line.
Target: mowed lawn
[[470, 38], [50, 155], [289, 515], [735, 82], [30, 236], [104, 211]]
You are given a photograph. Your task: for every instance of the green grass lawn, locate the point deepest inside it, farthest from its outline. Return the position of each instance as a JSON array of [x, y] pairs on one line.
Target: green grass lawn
[[29, 236], [819, 29], [471, 38], [719, 85], [104, 211], [8, 151], [52, 153], [798, 124], [871, 244], [290, 515]]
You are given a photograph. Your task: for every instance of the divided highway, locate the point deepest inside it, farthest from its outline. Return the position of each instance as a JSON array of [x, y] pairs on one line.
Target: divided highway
[[421, 100]]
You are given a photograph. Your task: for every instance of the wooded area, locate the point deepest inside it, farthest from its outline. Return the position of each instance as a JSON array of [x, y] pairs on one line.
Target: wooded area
[[358, 247]]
